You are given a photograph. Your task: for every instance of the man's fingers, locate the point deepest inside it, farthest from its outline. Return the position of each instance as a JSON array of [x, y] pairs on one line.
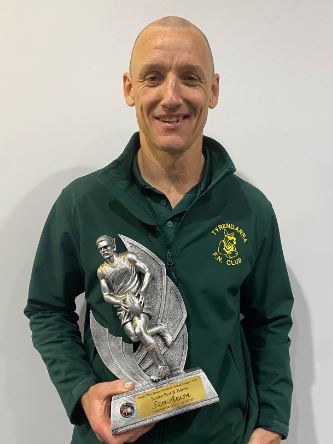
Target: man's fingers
[[119, 386], [126, 437], [135, 434], [104, 389], [96, 403]]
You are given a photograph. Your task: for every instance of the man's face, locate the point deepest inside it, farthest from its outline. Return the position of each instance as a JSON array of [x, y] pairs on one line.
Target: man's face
[[105, 249], [171, 85]]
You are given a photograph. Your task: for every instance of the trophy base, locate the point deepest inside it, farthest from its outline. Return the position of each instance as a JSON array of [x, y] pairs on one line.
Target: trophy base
[[154, 402]]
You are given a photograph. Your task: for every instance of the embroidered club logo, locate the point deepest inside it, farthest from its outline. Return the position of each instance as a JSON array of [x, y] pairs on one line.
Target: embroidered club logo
[[228, 245], [226, 251]]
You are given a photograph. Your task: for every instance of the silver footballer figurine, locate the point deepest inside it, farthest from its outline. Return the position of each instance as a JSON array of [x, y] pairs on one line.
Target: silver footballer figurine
[[152, 313], [124, 280]]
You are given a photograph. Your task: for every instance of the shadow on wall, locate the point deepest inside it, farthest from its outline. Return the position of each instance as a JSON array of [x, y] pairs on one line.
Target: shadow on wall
[[302, 427], [33, 408]]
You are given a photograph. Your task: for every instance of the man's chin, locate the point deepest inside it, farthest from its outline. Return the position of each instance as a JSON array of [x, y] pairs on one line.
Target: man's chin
[[172, 144]]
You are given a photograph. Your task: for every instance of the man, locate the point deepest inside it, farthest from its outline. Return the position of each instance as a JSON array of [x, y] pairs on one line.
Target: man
[[174, 191]]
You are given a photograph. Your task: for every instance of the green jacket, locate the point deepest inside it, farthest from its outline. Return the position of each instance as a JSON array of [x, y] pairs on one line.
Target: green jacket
[[227, 262]]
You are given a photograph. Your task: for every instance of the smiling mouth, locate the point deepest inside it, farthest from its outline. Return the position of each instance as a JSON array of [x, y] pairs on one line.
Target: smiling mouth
[[171, 119]]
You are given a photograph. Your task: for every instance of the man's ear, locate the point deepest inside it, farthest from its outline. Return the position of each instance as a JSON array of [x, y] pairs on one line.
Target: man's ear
[[127, 89], [215, 90]]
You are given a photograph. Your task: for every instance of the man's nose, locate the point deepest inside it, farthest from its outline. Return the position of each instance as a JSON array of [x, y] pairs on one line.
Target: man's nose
[[171, 92]]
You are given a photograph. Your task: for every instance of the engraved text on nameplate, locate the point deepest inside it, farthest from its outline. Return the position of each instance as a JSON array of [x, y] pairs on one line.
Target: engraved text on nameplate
[[170, 396]]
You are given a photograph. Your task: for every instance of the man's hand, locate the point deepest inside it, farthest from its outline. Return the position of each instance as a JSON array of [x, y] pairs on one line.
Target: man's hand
[[96, 404], [262, 436]]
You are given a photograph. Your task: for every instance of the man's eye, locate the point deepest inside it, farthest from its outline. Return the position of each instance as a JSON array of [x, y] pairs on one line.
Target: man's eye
[[191, 79], [153, 79]]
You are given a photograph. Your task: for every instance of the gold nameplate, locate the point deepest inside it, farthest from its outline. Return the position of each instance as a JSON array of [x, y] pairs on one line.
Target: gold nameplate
[[170, 396]]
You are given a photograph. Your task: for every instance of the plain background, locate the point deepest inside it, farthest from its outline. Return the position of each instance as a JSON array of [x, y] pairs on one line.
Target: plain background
[[62, 115]]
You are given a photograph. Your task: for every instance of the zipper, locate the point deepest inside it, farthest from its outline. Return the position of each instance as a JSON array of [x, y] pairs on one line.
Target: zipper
[[169, 265]]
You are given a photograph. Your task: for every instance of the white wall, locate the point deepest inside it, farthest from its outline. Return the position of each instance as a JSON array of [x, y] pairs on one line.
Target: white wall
[[62, 115]]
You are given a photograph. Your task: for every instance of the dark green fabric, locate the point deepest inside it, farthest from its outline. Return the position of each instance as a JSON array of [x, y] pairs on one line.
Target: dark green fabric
[[166, 217], [247, 362]]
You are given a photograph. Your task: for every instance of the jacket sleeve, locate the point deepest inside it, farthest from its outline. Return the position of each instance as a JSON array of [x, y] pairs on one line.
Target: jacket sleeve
[[57, 279], [266, 304]]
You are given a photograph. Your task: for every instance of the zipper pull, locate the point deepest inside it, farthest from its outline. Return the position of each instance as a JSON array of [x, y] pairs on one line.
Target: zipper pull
[[169, 264], [169, 260]]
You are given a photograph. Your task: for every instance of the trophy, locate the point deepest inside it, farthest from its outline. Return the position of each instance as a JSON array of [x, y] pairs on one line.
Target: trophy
[[152, 314]]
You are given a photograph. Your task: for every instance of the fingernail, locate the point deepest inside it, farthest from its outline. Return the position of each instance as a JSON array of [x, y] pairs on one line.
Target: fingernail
[[128, 384]]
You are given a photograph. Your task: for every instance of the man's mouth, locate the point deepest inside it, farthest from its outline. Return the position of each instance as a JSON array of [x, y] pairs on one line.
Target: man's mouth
[[171, 119]]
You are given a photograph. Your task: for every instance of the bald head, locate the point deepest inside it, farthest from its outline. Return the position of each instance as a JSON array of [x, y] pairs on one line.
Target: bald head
[[171, 22]]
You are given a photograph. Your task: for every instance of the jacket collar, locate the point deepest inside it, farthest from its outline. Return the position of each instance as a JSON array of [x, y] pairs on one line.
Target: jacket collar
[[119, 179]]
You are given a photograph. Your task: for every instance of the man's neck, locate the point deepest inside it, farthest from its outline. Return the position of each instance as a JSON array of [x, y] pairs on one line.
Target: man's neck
[[172, 174]]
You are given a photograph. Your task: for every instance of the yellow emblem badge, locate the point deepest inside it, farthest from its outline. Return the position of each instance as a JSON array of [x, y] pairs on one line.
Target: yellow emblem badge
[[227, 247]]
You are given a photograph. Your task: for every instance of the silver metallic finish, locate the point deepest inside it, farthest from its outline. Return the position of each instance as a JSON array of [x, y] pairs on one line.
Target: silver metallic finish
[[152, 312], [115, 354], [164, 307]]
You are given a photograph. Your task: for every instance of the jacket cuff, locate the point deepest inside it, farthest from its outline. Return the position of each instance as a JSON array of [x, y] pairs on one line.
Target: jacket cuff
[[267, 421], [75, 411]]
